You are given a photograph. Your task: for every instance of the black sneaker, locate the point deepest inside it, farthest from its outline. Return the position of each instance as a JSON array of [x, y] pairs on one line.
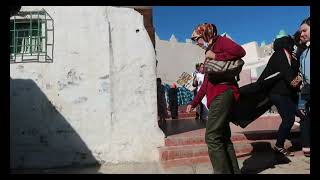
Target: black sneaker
[[283, 151]]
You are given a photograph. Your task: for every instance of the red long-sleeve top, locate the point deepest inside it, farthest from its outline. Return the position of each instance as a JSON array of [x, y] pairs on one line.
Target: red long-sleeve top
[[224, 49]]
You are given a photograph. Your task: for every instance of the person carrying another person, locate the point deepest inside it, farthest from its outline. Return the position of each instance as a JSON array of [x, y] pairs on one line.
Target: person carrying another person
[[221, 96]]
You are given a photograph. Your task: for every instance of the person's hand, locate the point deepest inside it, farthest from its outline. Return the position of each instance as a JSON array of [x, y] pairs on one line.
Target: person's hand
[[189, 108], [210, 55], [195, 80], [296, 81]]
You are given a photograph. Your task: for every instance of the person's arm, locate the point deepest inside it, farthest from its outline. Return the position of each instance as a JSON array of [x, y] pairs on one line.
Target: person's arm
[[284, 67], [229, 50], [195, 82]]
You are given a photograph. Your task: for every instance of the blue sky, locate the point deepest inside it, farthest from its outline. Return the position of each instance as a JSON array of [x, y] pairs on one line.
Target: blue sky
[[243, 23]]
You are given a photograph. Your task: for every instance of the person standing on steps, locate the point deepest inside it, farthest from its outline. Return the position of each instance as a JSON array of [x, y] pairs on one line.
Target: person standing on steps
[[221, 97]]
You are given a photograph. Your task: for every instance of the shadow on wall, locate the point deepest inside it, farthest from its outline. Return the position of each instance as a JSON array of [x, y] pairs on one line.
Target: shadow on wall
[[40, 137]]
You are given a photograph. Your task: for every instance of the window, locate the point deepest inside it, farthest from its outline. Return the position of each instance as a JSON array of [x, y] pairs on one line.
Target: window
[[31, 37]]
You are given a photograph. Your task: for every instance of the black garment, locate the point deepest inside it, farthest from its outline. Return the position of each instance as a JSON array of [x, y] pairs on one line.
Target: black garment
[[279, 63], [161, 101], [197, 110], [253, 102], [173, 102], [286, 42], [195, 84], [305, 126], [255, 98], [201, 111]]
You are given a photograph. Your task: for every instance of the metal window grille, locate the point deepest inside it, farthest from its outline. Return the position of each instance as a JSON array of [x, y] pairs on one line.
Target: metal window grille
[[31, 37]]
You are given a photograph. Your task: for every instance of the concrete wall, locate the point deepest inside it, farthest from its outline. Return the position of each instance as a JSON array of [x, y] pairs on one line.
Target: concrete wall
[[174, 58], [135, 133], [96, 103], [252, 53]]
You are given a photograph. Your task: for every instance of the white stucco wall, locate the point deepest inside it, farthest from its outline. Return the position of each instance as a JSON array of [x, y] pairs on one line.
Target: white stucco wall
[[96, 102], [174, 58], [135, 132], [252, 54]]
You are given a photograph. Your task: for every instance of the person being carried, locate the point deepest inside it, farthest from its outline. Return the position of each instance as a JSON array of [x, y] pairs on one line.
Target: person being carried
[[284, 93]]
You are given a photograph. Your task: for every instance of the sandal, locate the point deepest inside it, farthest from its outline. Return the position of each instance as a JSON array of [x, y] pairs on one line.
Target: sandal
[[283, 151]]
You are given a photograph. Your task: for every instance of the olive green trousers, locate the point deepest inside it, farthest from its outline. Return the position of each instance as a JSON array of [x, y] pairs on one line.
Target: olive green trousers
[[220, 148]]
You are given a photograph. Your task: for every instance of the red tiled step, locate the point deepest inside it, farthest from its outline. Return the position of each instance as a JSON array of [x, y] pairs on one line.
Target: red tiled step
[[190, 147], [192, 160], [185, 161], [187, 115], [200, 160], [264, 122], [198, 136], [172, 158], [182, 108], [188, 151], [199, 139]]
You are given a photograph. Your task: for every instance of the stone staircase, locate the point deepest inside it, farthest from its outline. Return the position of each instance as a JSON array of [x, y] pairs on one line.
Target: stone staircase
[[189, 147]]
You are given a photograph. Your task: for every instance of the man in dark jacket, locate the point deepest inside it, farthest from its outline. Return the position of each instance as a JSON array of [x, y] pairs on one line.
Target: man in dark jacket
[[161, 102], [173, 101], [305, 91]]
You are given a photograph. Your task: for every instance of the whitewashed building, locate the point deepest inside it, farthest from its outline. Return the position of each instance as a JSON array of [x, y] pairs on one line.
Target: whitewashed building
[[82, 86]]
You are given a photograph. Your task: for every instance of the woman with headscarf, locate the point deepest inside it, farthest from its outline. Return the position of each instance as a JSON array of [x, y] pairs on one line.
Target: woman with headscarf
[[284, 93], [221, 95]]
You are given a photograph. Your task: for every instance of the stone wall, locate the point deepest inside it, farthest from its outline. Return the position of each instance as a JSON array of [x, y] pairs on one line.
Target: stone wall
[[96, 103], [175, 57]]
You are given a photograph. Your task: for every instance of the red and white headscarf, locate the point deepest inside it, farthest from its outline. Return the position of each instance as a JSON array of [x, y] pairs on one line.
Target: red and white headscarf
[[206, 31]]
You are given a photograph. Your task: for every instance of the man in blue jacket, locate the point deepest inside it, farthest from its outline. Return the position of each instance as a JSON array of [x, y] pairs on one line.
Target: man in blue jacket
[[305, 90]]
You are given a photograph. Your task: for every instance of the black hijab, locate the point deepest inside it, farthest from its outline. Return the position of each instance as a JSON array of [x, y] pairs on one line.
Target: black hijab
[[286, 42]]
